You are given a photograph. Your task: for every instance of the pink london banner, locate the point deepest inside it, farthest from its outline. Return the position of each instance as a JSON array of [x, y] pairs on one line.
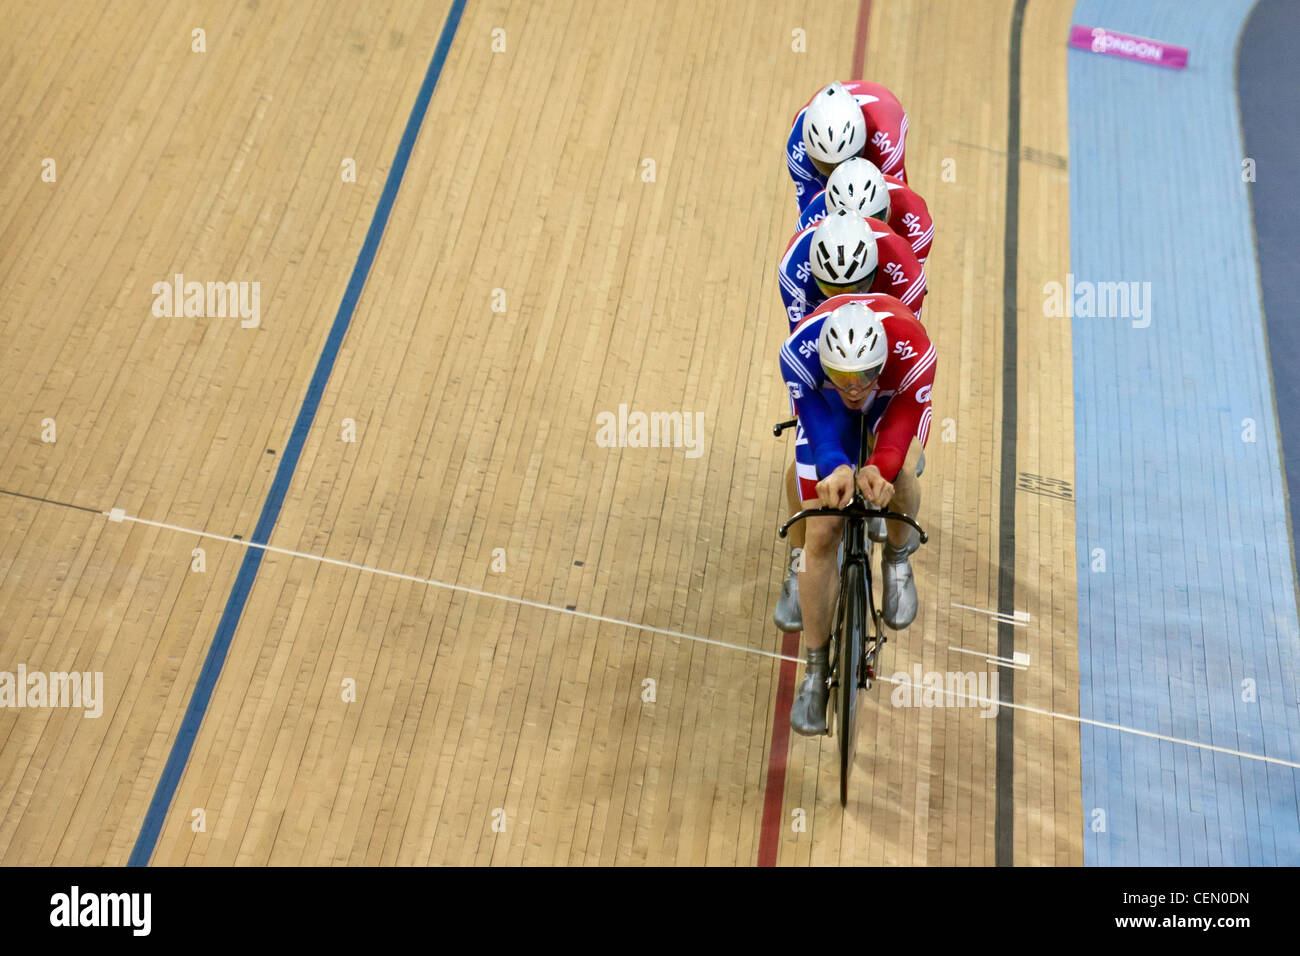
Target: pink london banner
[[1101, 40]]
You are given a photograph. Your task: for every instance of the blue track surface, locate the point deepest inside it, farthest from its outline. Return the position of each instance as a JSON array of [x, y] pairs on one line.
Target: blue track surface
[[1268, 84], [1191, 629]]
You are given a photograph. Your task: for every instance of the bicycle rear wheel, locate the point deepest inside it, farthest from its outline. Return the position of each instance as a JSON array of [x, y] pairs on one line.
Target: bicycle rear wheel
[[851, 627]]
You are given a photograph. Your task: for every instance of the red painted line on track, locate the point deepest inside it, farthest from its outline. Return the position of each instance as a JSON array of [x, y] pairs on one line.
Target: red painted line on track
[[860, 40], [769, 837], [774, 794]]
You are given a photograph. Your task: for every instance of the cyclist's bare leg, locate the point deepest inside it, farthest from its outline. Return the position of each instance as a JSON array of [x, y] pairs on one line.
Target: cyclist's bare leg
[[900, 601], [787, 615], [818, 587], [792, 498], [820, 582], [907, 496]]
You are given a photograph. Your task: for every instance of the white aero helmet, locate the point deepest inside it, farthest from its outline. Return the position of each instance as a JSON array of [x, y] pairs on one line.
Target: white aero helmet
[[859, 186], [853, 346], [843, 251], [833, 126]]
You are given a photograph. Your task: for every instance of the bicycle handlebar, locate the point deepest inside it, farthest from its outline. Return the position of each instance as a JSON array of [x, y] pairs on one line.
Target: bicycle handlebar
[[857, 508]]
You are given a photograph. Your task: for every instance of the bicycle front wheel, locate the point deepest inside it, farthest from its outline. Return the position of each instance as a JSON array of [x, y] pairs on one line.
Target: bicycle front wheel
[[852, 629]]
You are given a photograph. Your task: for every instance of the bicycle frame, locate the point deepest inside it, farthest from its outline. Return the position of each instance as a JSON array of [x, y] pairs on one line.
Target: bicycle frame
[[854, 641]]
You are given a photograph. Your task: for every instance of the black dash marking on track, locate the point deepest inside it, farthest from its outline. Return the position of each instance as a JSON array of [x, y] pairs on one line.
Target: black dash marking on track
[[1044, 158], [1050, 487]]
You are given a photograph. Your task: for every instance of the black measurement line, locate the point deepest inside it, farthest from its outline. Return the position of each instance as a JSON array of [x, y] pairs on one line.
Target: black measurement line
[[1004, 817], [50, 501]]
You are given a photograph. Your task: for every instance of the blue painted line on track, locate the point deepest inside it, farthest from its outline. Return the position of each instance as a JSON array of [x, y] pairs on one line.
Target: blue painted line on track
[[217, 651]]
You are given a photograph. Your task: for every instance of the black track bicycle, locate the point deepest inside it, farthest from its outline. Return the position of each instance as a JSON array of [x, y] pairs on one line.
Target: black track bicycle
[[857, 633]]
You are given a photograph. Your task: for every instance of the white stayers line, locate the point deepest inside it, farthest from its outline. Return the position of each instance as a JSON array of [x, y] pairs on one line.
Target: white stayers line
[[120, 515], [1098, 723]]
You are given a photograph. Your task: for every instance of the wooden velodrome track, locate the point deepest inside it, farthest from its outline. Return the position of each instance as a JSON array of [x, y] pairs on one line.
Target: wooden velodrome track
[[484, 730]]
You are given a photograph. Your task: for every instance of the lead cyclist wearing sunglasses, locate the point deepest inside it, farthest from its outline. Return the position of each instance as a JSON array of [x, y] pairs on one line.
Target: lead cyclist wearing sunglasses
[[855, 355]]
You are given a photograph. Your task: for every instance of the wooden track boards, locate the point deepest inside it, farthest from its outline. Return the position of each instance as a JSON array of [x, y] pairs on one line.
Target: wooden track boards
[[476, 431]]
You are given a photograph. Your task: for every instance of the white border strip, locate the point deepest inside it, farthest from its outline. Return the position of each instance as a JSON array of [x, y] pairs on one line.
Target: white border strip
[[992, 658], [1019, 618]]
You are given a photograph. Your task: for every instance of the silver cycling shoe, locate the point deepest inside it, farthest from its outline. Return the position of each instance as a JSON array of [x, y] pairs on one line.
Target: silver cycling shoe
[[788, 616], [808, 713], [900, 600]]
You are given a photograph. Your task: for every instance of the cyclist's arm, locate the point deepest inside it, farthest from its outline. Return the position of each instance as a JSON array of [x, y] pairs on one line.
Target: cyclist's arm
[[907, 416], [792, 296], [890, 120], [794, 291], [925, 240], [819, 421], [802, 171], [814, 211], [914, 298], [821, 426]]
